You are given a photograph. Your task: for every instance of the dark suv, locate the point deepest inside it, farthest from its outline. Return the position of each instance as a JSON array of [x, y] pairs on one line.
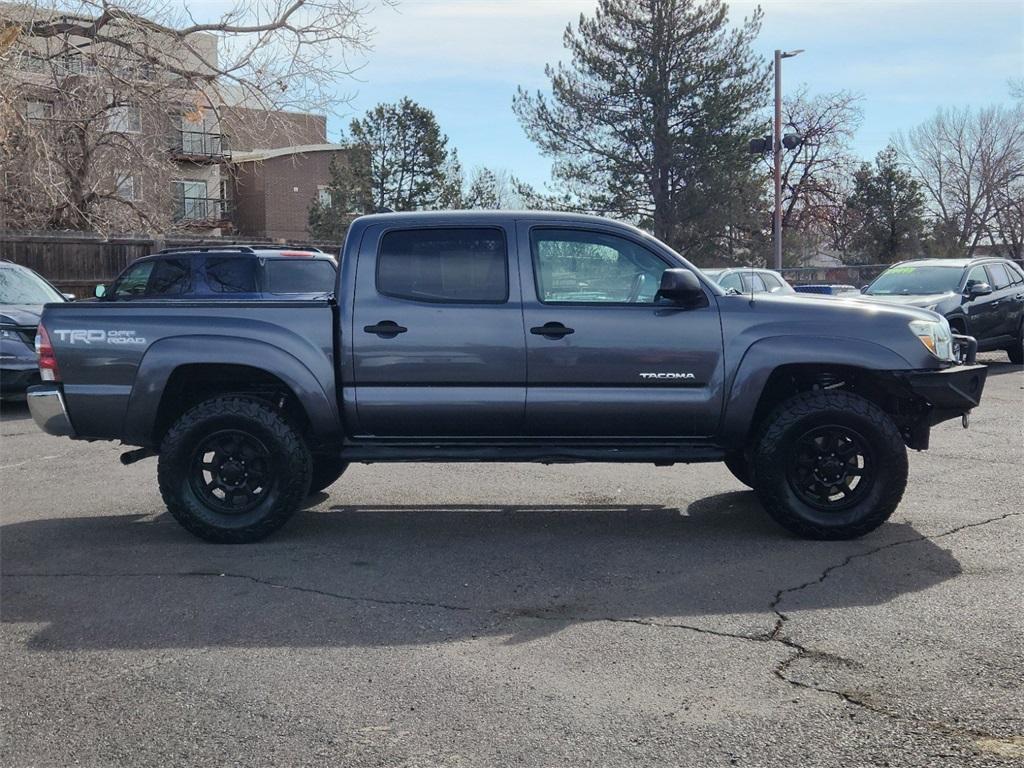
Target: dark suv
[[983, 298], [226, 272]]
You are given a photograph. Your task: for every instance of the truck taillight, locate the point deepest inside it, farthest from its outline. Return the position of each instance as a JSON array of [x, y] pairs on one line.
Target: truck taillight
[[48, 370]]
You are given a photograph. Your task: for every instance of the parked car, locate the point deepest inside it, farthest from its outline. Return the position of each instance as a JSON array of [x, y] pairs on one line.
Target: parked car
[[239, 272], [22, 296], [983, 298], [749, 280], [828, 289], [498, 336]]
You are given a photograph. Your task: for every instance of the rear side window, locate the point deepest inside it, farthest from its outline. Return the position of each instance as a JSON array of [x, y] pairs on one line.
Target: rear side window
[[998, 274], [170, 277], [444, 265], [231, 275], [754, 283], [771, 282], [298, 276], [1015, 274]]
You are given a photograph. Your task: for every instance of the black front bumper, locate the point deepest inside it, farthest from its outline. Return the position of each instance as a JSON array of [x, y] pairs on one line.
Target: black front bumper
[[949, 392]]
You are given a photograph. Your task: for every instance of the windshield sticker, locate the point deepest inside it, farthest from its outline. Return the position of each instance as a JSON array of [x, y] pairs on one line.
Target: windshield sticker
[[901, 270]]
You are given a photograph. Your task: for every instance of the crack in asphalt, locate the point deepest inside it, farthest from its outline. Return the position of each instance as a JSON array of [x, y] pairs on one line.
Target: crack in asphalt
[[775, 636]]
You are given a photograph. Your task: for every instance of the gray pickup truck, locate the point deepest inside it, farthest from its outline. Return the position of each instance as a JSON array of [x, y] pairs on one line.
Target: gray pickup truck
[[494, 336]]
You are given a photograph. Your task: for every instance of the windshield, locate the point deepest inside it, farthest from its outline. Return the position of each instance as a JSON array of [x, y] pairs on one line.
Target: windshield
[[19, 286], [908, 280]]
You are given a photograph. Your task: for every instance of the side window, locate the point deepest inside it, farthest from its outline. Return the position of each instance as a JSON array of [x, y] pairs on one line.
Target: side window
[[999, 277], [457, 265], [133, 282], [975, 276], [732, 280], [231, 275], [752, 283], [170, 277], [290, 275], [771, 283], [1015, 274], [592, 267]]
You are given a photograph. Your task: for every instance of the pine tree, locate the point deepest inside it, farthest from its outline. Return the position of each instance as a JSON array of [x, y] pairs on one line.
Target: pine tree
[[888, 205], [651, 119]]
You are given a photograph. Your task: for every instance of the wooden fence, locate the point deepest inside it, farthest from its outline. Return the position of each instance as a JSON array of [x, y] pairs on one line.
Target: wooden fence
[[77, 262]]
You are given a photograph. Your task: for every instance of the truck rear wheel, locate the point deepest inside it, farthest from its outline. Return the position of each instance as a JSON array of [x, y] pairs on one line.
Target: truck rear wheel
[[232, 470], [830, 465], [326, 471]]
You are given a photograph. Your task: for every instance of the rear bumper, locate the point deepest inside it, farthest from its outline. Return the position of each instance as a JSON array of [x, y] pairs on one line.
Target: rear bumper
[[14, 380], [46, 404], [951, 392]]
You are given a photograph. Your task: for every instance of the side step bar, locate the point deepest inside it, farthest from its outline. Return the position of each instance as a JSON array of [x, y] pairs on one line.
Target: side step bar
[[662, 455]]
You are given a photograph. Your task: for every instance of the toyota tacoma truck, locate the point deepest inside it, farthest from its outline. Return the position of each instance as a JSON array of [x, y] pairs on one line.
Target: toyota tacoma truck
[[497, 336]]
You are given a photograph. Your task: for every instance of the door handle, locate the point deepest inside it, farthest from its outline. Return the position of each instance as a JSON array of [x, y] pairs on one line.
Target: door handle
[[552, 330], [386, 329]]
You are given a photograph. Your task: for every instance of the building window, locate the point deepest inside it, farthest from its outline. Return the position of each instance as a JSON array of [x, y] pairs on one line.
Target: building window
[[323, 195], [124, 118], [129, 187], [191, 201], [38, 110]]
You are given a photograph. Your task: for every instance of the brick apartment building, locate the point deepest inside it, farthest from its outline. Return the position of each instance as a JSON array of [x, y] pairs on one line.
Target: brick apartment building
[[223, 169]]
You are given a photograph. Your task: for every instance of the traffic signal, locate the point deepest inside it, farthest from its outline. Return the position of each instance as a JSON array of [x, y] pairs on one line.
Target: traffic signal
[[792, 141], [761, 146]]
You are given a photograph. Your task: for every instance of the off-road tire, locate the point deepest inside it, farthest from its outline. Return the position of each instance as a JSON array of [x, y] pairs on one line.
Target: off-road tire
[[776, 447], [738, 464], [290, 462], [326, 471], [1016, 350]]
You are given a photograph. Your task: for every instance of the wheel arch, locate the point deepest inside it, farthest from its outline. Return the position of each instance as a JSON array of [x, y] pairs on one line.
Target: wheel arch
[[177, 373], [778, 367]]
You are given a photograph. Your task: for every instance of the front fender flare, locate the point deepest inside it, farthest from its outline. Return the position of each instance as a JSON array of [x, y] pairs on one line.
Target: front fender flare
[[166, 355], [764, 356]]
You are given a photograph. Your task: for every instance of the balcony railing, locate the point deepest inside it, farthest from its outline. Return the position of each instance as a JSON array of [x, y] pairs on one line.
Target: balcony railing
[[200, 145], [207, 211]]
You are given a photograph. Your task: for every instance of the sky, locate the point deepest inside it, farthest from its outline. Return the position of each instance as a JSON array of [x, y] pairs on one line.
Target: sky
[[463, 59]]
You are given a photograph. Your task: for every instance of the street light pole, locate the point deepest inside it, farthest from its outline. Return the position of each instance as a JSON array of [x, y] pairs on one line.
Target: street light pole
[[777, 156]]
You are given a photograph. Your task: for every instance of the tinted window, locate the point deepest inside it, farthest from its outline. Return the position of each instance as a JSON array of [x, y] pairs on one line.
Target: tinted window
[[592, 267], [298, 276], [134, 280], [446, 265], [731, 281], [170, 277], [231, 275], [999, 277]]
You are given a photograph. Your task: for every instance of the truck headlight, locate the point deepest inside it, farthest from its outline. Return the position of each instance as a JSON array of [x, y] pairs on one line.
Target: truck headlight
[[936, 336]]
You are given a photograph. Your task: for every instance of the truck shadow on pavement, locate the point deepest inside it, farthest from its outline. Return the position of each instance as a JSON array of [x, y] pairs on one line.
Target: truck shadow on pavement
[[401, 575]]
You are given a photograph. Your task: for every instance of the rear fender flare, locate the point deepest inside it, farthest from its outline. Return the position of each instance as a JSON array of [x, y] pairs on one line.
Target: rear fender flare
[[166, 355]]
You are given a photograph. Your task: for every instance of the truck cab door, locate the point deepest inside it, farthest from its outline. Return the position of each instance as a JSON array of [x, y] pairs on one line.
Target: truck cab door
[[436, 334], [605, 359]]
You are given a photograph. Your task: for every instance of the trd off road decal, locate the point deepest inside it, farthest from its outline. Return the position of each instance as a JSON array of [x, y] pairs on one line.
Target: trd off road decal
[[83, 336]]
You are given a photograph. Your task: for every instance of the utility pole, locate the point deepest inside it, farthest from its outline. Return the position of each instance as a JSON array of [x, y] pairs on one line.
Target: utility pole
[[777, 156]]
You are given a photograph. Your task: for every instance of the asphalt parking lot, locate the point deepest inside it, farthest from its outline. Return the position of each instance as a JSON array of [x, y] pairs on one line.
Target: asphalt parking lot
[[492, 615]]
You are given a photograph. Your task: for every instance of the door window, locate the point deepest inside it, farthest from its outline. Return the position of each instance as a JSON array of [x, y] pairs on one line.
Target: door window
[[170, 277], [574, 266], [456, 265], [975, 277], [999, 277], [732, 280], [231, 275], [133, 282], [754, 283]]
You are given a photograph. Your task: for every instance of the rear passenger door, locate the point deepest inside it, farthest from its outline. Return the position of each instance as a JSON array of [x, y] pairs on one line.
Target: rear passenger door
[[437, 337], [1005, 303]]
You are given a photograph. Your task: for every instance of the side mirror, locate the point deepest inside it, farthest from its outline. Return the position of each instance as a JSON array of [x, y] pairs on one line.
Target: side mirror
[[680, 286], [101, 291], [978, 289], [68, 296], [863, 289]]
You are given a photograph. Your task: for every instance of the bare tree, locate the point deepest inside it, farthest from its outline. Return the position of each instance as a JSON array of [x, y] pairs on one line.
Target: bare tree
[[971, 166], [88, 88], [816, 175]]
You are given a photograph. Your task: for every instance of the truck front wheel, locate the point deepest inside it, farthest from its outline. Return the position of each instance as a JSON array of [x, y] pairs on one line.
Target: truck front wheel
[[233, 470], [829, 465]]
